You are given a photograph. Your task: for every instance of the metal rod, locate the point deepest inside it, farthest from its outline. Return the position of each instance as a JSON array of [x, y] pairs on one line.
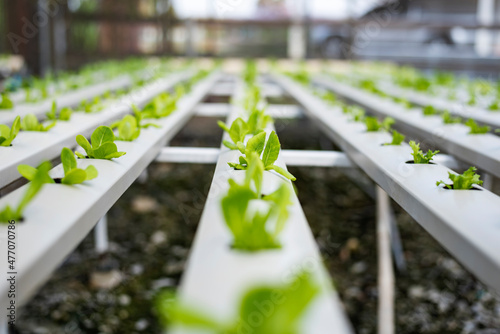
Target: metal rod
[[385, 269], [489, 181], [101, 235], [397, 244], [143, 178]]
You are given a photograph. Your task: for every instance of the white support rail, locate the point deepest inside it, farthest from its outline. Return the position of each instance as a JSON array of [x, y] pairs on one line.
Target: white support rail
[[32, 148], [464, 221], [66, 100], [217, 276], [51, 229], [460, 109], [276, 111], [197, 155], [386, 291], [482, 151], [226, 89]]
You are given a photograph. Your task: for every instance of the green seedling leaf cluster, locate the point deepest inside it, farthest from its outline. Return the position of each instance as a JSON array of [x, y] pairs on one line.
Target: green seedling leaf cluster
[[404, 102], [429, 110], [250, 73], [64, 114], [463, 181], [6, 102], [268, 152], [103, 146], [250, 227], [91, 106], [494, 106], [418, 155], [30, 123], [72, 174], [449, 119], [161, 106], [372, 124], [475, 129], [40, 177], [284, 306], [7, 135], [397, 138], [128, 128]]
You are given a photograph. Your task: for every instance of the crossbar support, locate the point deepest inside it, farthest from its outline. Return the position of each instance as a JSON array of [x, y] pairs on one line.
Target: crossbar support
[[386, 278]]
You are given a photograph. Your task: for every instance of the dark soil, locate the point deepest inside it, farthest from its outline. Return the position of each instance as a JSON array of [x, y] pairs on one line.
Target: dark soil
[[152, 226]]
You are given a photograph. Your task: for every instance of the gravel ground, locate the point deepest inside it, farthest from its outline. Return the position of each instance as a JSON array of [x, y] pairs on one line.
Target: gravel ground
[[152, 226]]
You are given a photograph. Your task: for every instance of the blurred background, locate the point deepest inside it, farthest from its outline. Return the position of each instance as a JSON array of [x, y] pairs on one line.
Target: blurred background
[[50, 35]]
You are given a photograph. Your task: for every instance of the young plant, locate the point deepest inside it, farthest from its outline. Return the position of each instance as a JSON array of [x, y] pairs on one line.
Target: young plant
[[285, 317], [358, 114], [64, 113], [475, 129], [103, 146], [404, 102], [128, 129], [418, 155], [449, 119], [429, 110], [463, 181], [72, 174], [472, 100], [40, 178], [237, 133], [494, 106], [7, 135], [250, 227], [268, 152], [161, 106], [30, 123], [372, 124], [257, 121], [6, 102], [397, 138], [91, 106]]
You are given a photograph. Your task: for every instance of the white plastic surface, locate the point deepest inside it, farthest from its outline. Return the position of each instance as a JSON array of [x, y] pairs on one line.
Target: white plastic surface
[[466, 222]]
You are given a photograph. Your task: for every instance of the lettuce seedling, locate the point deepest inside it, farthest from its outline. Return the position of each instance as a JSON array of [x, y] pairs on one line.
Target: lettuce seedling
[[139, 118], [404, 102], [282, 317], [6, 102], [358, 114], [418, 155], [64, 113], [475, 129], [494, 106], [463, 181], [128, 129], [7, 135], [449, 119], [250, 229], [40, 178], [30, 123], [429, 111], [268, 151], [372, 124], [72, 174], [237, 133], [161, 106], [257, 121], [397, 138], [103, 146], [472, 100]]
